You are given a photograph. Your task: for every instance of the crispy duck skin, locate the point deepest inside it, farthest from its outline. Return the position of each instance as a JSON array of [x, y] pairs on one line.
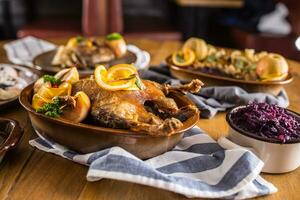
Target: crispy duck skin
[[147, 110]]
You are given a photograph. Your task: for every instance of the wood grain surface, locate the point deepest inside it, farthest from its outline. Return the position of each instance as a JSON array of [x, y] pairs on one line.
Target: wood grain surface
[[27, 173]]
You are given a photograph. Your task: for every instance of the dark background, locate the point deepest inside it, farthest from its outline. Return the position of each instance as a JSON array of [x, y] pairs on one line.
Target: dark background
[[163, 19]]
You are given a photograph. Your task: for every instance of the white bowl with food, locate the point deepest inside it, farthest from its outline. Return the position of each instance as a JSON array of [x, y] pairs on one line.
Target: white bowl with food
[[12, 80], [271, 132]]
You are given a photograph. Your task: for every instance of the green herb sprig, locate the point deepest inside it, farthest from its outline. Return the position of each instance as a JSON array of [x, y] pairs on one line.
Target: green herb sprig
[[211, 58], [114, 36], [79, 39], [52, 80], [51, 109], [139, 83]]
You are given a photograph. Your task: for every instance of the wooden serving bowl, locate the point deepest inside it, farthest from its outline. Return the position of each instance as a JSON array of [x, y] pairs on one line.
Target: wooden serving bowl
[[188, 74], [86, 138]]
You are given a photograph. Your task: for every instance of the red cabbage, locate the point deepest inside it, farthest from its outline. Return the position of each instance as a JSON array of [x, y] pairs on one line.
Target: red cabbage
[[268, 121]]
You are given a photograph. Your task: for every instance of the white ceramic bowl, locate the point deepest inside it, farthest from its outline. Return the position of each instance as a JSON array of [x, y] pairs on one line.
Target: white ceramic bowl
[[278, 157]]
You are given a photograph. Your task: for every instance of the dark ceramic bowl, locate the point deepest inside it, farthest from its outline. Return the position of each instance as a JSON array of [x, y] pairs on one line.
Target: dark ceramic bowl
[[86, 138], [10, 134]]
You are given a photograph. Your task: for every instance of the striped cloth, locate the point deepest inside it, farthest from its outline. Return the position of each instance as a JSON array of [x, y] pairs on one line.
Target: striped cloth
[[23, 51], [197, 167]]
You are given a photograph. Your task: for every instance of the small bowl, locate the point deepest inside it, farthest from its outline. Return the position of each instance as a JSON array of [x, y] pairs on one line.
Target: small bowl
[[278, 157], [10, 134], [86, 138], [28, 74]]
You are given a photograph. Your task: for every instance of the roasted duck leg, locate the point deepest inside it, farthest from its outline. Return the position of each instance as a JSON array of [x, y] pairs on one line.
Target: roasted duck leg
[[148, 110]]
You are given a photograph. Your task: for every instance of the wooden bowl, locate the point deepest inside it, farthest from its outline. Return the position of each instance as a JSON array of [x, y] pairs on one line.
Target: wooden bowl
[[86, 138], [43, 62], [188, 74], [10, 134]]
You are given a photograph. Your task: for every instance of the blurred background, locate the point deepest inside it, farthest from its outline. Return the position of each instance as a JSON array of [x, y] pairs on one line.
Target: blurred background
[[260, 24]]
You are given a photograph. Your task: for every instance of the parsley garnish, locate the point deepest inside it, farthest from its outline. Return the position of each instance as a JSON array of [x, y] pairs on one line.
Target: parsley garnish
[[211, 58], [114, 36], [52, 80], [180, 58], [79, 39], [250, 67], [139, 83], [239, 63], [51, 109]]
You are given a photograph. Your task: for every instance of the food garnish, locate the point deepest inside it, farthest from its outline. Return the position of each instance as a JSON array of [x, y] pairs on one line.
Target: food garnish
[[183, 58], [116, 42], [114, 36], [198, 46], [118, 77], [46, 93], [53, 97], [268, 121], [51, 109], [54, 81], [79, 39]]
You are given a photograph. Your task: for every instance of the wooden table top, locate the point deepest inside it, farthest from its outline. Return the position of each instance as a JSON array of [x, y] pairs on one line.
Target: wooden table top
[[212, 3], [28, 173]]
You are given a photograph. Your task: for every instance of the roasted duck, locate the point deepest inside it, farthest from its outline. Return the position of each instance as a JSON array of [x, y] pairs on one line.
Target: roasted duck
[[148, 110]]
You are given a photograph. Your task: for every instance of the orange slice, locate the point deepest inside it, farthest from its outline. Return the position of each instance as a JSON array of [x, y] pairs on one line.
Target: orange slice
[[197, 45], [183, 58], [38, 101], [72, 42], [48, 92], [118, 77]]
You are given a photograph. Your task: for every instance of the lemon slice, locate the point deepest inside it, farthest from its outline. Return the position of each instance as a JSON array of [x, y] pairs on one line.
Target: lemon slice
[[275, 77], [38, 101], [121, 71], [197, 45], [118, 77], [49, 92], [72, 42], [183, 58]]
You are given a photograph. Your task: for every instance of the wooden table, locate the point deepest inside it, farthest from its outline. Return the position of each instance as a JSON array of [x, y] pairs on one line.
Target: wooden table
[[212, 3], [28, 173]]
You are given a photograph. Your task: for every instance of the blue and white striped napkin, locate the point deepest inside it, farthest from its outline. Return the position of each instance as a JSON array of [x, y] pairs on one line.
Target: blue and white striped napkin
[[197, 167], [23, 51]]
